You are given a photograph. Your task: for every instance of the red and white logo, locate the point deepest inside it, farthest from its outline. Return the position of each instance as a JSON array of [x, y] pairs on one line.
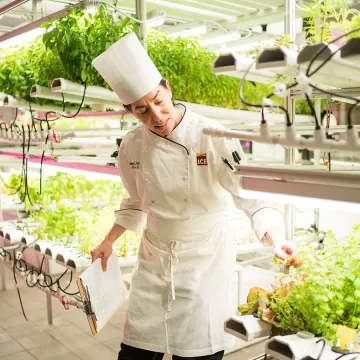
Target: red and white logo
[[201, 159]]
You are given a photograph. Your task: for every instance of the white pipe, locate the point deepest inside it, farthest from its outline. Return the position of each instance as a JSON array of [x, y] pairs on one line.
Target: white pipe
[[292, 174], [319, 142], [92, 134], [38, 91], [96, 160], [335, 73], [10, 101], [241, 116], [67, 87], [235, 65]]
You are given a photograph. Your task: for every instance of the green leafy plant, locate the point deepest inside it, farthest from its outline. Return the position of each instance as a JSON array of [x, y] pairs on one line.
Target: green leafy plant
[[325, 15], [16, 73], [79, 37], [188, 67], [321, 293]]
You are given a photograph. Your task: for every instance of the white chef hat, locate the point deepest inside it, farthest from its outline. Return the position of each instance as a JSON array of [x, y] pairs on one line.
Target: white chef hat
[[128, 69]]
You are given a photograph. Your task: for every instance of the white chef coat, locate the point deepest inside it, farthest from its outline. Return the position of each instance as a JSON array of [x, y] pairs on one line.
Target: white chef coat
[[181, 287]]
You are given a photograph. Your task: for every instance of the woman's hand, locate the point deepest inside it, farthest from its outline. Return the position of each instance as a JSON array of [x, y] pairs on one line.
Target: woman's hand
[[282, 249], [285, 250], [102, 251]]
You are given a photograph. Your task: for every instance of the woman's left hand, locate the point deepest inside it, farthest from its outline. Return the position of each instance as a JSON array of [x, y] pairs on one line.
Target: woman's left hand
[[286, 251]]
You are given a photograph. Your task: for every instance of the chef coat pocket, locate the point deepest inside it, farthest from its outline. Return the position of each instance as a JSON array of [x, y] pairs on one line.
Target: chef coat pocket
[[150, 257]]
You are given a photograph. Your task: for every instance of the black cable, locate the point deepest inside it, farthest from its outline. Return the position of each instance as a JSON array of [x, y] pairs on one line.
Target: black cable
[[26, 169], [63, 102], [41, 164], [65, 116], [47, 136], [322, 349], [321, 50], [259, 106], [317, 126], [17, 286], [48, 281]]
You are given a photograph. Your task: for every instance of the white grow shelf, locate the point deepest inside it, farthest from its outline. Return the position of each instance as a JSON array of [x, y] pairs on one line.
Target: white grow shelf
[[275, 58], [247, 327], [294, 347], [351, 51], [235, 65], [338, 72], [72, 259]]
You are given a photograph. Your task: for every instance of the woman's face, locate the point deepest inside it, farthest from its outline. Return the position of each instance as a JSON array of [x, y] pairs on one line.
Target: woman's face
[[156, 111]]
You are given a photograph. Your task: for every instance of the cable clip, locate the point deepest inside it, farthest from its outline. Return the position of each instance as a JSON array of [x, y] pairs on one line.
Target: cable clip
[[18, 255], [280, 90], [56, 137], [26, 155], [40, 277], [268, 102], [305, 84], [65, 301]]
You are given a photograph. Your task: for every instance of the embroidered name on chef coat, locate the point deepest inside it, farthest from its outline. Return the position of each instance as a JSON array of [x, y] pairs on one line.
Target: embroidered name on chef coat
[[135, 164], [201, 159]]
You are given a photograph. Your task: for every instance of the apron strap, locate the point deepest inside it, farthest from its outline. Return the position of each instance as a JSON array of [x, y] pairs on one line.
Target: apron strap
[[172, 262]]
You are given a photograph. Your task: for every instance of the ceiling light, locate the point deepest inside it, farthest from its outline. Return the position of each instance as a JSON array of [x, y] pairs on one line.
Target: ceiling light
[[22, 38], [200, 30], [155, 18], [222, 39], [308, 201]]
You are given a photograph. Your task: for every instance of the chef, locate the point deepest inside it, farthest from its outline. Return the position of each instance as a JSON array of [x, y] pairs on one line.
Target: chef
[[180, 182]]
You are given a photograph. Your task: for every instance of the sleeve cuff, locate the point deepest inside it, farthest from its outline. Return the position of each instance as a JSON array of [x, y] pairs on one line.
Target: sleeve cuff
[[265, 219], [131, 219]]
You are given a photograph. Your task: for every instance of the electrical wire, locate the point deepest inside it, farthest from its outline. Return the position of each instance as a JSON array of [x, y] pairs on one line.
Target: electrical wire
[[131, 17], [21, 266], [219, 26], [317, 123], [49, 128], [322, 349], [259, 106], [321, 50], [17, 287]]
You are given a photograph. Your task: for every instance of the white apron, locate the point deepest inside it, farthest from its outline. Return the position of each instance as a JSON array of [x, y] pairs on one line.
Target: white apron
[[178, 190]]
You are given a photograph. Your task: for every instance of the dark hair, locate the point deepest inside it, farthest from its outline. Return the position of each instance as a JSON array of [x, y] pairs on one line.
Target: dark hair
[[162, 83]]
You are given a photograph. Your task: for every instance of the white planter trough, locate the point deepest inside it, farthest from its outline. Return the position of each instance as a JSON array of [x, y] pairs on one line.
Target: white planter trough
[[295, 347], [72, 259], [247, 327]]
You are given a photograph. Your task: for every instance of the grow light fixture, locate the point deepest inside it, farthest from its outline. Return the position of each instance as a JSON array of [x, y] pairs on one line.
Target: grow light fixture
[[77, 171], [12, 5], [22, 38], [233, 64], [318, 189]]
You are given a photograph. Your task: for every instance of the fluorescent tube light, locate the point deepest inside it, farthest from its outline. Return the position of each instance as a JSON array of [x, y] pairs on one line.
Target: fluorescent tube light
[[22, 38], [76, 171], [200, 30], [314, 195]]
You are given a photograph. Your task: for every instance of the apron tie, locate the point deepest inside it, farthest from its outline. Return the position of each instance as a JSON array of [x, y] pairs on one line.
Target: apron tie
[[172, 262]]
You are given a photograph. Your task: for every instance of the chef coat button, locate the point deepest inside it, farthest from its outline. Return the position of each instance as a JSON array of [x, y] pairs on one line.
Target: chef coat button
[[153, 201], [184, 178], [185, 199]]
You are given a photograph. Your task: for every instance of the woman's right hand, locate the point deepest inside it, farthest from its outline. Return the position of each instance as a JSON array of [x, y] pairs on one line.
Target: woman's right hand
[[102, 251]]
